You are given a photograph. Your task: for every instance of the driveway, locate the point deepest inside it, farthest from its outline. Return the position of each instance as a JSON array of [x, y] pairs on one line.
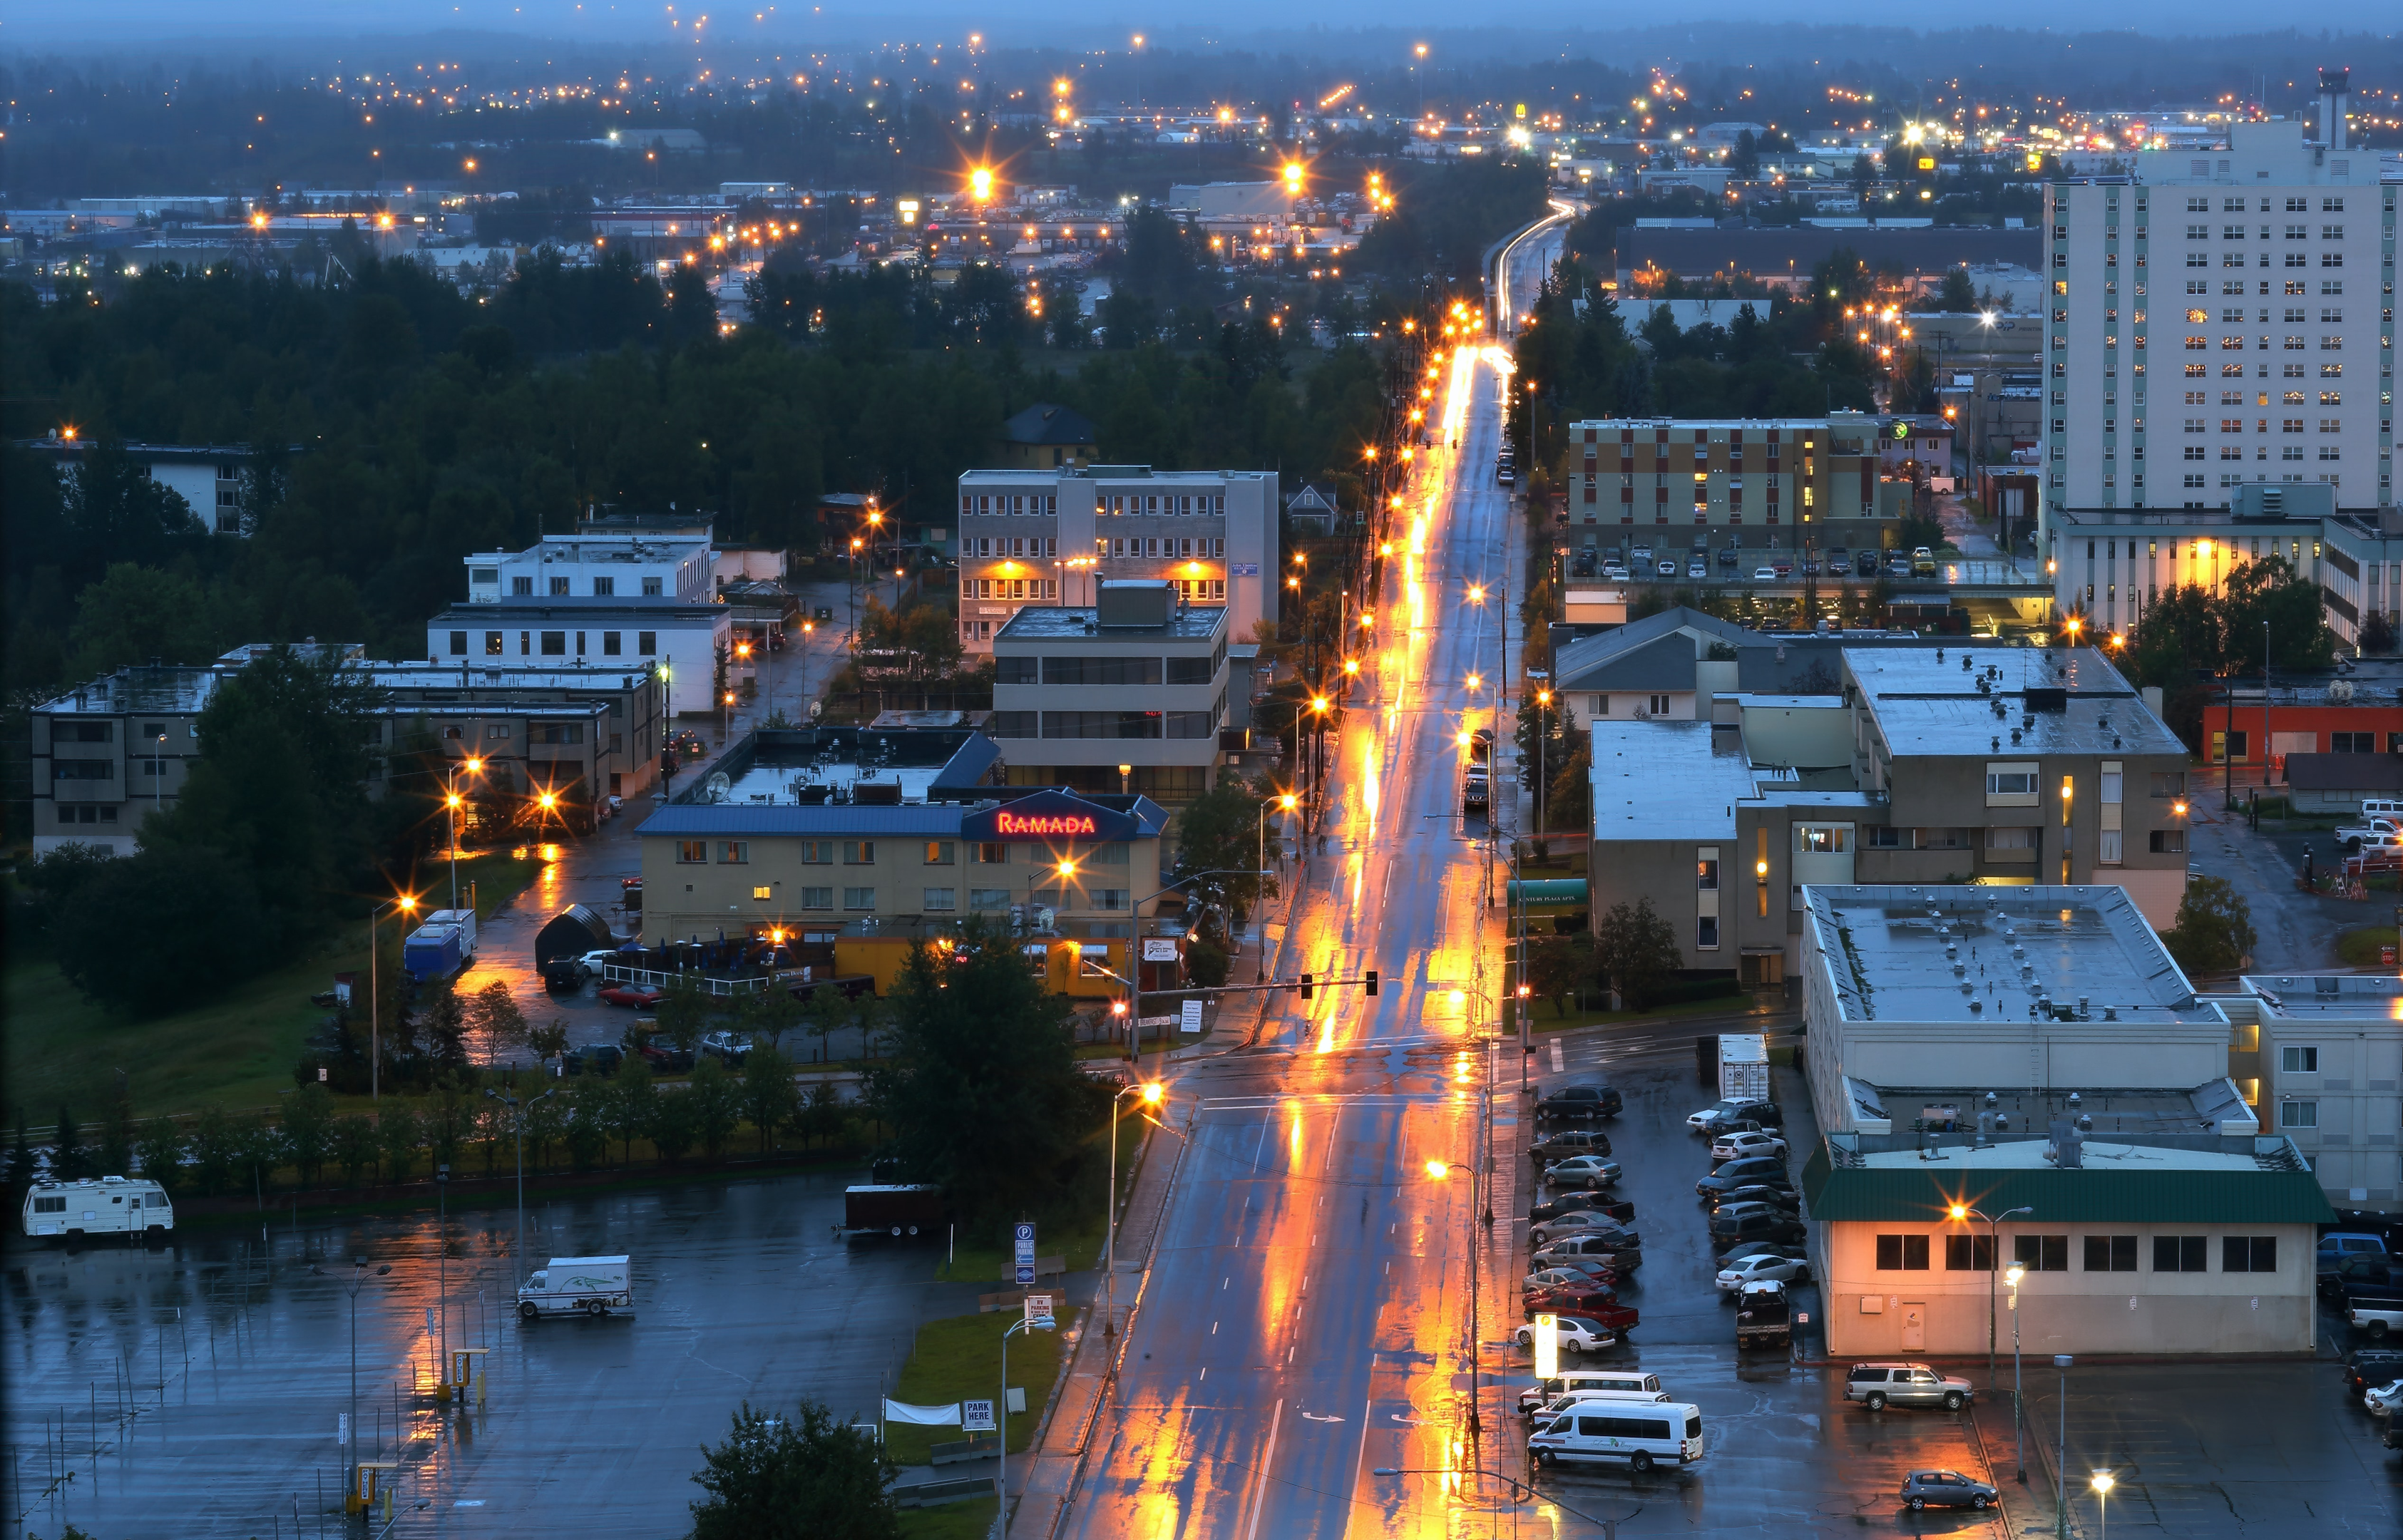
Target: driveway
[[2297, 931]]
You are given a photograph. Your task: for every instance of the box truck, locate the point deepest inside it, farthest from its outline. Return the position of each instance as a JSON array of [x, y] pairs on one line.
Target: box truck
[[572, 1285], [433, 952], [1744, 1066], [893, 1209]]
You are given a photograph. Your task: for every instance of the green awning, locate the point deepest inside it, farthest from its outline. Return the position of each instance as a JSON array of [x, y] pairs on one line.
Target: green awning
[[1563, 894]]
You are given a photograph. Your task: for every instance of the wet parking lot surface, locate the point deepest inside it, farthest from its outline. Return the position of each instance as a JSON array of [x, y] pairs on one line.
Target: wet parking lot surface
[[195, 1389]]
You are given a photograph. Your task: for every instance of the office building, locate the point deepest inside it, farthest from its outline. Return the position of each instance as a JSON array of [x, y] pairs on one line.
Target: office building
[[1783, 485], [2319, 1057], [1045, 536], [2223, 317], [682, 642]]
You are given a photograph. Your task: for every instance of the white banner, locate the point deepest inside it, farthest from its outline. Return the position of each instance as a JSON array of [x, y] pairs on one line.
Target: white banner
[[932, 1417]]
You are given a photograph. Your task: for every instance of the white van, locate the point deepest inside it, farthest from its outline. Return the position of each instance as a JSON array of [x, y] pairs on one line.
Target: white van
[[2388, 807], [1635, 1435], [1546, 1395], [572, 1285], [107, 1205]]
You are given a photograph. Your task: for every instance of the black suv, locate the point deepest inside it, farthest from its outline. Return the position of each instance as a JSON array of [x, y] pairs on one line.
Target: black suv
[[1578, 1202], [1744, 1174], [595, 1057], [2367, 1368], [1756, 1224], [1580, 1102], [1565, 1143]]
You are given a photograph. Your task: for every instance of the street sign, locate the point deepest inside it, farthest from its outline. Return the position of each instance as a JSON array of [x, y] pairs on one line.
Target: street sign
[[342, 1429], [1039, 1311], [1025, 1253], [976, 1417], [1191, 1017], [1547, 1346]]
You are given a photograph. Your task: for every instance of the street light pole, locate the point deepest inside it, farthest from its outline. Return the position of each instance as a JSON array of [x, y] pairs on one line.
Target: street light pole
[[406, 903], [516, 1127], [1151, 1094], [1993, 1264], [1001, 1415], [2059, 1472], [2018, 1412], [1440, 1169]]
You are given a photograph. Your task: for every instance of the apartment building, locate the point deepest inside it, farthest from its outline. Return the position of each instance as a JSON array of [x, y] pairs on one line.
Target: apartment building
[[1049, 536], [208, 476], [2319, 1057], [2223, 317], [1126, 695], [2003, 767], [1781, 483]]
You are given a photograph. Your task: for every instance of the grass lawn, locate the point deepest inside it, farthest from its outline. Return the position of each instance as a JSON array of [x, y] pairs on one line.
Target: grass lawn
[[1540, 1020], [969, 1521], [2359, 948], [238, 1048], [959, 1358]]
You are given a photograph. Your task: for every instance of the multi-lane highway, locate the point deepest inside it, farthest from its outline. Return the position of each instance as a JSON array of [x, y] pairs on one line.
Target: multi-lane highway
[[1306, 1319]]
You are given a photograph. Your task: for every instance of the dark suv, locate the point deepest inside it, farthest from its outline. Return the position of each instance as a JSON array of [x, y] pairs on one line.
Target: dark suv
[[2367, 1368], [1578, 1202], [1756, 1224], [1580, 1102], [593, 1058], [1568, 1141], [1744, 1174]]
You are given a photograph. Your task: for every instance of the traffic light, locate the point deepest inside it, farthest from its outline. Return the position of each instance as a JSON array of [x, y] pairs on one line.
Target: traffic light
[[1371, 980], [1305, 986]]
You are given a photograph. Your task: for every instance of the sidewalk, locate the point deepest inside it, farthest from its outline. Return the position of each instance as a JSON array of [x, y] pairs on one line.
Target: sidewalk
[[1050, 1473]]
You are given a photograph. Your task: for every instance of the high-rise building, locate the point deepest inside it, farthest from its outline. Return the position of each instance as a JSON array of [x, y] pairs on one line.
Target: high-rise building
[[1049, 536], [2221, 317]]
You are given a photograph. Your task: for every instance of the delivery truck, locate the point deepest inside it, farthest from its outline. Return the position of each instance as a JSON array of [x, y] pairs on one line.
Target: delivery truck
[[578, 1285], [1743, 1067]]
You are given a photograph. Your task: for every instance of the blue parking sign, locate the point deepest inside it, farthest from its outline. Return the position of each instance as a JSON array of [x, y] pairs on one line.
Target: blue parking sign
[[1025, 1236]]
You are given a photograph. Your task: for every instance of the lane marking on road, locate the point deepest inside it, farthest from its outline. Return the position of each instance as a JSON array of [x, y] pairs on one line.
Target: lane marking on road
[[1260, 1473]]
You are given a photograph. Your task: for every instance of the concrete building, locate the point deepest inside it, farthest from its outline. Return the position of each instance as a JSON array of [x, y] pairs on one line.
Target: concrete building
[[2257, 284], [1974, 1053], [1781, 483], [667, 566], [682, 642], [1127, 696], [207, 476], [2320, 1058], [1039, 537], [1901, 771]]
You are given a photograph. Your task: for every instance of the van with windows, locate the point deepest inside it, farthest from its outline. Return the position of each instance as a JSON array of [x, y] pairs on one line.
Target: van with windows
[[2388, 808], [1546, 1396], [1638, 1435], [107, 1205]]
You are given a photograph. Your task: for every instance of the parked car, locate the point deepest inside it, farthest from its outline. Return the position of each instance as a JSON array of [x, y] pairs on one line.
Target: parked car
[[1775, 1195], [1840, 560], [1729, 1110], [1582, 1297], [1616, 1319], [1764, 575], [1728, 557], [1563, 1143], [665, 1057], [1784, 567], [1759, 1248], [593, 1058], [1602, 1268], [1580, 1102], [2377, 833], [2337, 1245], [2358, 1277], [1578, 1334], [2366, 1369], [1810, 566], [1585, 1224], [1735, 1147], [1897, 565], [1631, 1384], [2385, 1400], [1584, 1170], [1749, 1223], [1878, 1386], [1922, 561], [1944, 1488], [1612, 572], [1545, 1280], [1760, 1269], [1865, 564], [732, 1046], [1665, 570], [1580, 1202], [639, 996], [1641, 557], [2379, 1318], [1737, 1173], [1697, 568], [1576, 1250]]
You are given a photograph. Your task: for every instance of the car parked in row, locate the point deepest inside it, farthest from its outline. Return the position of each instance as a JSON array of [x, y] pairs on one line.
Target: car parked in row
[[1767, 1194], [1586, 1222], [1737, 1145], [1584, 1170], [592, 1059], [1728, 1111], [1547, 1395], [1610, 1246], [1944, 1488], [1754, 1222], [1580, 1202], [1578, 1334], [639, 996], [2367, 1368], [1737, 1173], [1580, 1102], [1564, 1143], [1761, 1269]]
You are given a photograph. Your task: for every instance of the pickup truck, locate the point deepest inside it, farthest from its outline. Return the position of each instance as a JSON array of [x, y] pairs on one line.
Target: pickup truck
[[2376, 1317], [2372, 833], [1764, 1317]]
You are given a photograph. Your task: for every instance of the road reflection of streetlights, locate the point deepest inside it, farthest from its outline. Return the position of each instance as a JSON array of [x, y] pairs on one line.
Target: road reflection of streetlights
[[1441, 1170], [2103, 1483], [1152, 1093], [407, 904], [1284, 802], [1451, 1482], [358, 1282]]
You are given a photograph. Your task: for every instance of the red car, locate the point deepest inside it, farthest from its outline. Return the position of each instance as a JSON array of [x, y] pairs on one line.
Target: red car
[[1587, 1299], [1616, 1317], [633, 994]]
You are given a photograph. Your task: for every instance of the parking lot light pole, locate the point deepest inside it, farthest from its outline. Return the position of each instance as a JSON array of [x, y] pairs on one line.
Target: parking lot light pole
[[516, 1127], [2103, 1483], [1994, 1259], [2019, 1416], [358, 1282], [2060, 1455], [407, 904]]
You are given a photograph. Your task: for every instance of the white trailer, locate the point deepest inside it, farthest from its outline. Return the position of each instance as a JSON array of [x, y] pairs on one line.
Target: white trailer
[[578, 1285], [1744, 1066], [107, 1205]]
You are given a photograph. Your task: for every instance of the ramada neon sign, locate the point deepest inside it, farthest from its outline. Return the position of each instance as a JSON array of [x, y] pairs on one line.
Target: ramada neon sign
[[1012, 823]]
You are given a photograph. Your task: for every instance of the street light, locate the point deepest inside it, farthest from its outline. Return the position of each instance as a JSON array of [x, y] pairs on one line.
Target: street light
[[451, 800], [407, 904], [1001, 1418], [1286, 803], [1994, 1258], [1440, 1170], [2019, 1420], [2102, 1482], [516, 1127], [1151, 1093], [2060, 1474]]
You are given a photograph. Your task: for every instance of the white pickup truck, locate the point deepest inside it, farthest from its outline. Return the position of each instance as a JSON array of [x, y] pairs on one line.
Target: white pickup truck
[[573, 1286], [2379, 1318], [2370, 834]]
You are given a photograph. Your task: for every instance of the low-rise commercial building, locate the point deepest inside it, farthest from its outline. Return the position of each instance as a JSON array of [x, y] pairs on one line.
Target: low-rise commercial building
[[1127, 696], [683, 642], [1049, 536]]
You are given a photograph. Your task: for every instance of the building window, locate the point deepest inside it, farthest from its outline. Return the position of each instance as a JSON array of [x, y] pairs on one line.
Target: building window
[[817, 898], [941, 900], [521, 588], [817, 852], [2169, 842], [554, 643], [647, 642], [493, 647], [2181, 1253], [859, 852], [2013, 783], [458, 644], [2249, 1254], [2299, 1060], [1659, 705], [1968, 1253], [1902, 1253], [2110, 1253], [988, 898], [2353, 742], [2042, 1252], [1706, 933], [734, 853], [762, 895], [1111, 898], [604, 588], [2168, 783], [653, 588], [941, 853], [2108, 847], [858, 899], [2298, 1114], [692, 853], [1706, 873], [991, 852], [610, 644]]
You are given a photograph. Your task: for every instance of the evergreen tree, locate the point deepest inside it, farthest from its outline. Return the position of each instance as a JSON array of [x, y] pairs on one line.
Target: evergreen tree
[[68, 1162]]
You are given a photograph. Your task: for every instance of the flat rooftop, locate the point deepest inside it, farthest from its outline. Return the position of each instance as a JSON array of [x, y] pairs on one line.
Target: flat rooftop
[[1992, 954], [2052, 700], [144, 687], [1665, 780], [2032, 1154], [820, 765], [1060, 622], [2213, 1105], [2328, 997]]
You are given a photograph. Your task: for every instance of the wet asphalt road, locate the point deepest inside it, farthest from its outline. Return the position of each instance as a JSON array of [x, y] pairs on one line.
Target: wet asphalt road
[[588, 1427]]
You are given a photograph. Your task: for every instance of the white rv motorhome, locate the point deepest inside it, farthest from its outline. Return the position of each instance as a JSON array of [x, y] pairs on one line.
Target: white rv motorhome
[[107, 1205]]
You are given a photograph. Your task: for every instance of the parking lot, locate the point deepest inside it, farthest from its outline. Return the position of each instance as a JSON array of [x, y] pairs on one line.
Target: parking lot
[[2195, 1449]]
